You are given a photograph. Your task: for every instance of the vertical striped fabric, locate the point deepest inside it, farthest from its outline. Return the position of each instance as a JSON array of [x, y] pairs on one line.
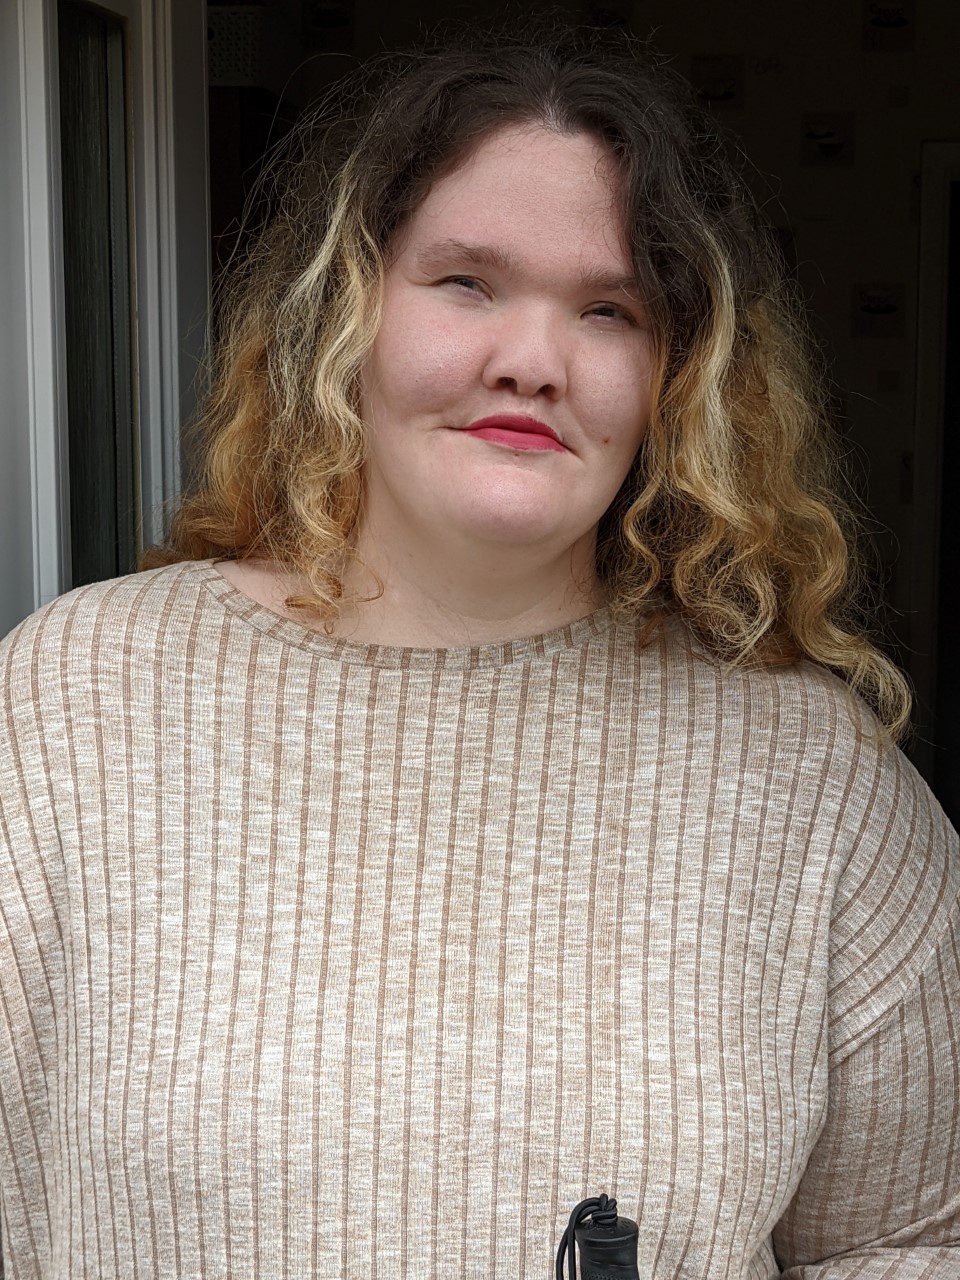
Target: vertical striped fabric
[[323, 959]]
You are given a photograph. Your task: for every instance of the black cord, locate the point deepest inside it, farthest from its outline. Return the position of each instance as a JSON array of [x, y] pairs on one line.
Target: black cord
[[604, 1211]]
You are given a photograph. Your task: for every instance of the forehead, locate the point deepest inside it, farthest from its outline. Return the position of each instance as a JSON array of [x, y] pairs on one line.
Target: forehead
[[529, 190]]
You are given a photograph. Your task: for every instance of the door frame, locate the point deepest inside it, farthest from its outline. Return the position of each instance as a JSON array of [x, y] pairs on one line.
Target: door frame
[[170, 273]]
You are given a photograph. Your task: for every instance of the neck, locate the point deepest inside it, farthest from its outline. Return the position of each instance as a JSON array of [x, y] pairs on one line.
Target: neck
[[452, 595]]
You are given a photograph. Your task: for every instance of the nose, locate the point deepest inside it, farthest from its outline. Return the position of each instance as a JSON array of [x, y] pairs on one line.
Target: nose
[[527, 355]]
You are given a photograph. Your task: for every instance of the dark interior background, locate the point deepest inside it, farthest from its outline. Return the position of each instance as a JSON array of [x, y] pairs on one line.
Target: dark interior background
[[834, 101]]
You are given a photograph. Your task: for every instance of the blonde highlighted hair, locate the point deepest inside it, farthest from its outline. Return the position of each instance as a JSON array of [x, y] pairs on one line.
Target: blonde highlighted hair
[[730, 516]]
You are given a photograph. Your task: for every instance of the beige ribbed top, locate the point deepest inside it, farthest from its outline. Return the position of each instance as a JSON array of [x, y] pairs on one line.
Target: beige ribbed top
[[335, 960]]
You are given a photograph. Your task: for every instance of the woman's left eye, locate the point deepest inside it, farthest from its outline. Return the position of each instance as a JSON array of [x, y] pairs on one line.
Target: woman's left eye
[[464, 282], [610, 311]]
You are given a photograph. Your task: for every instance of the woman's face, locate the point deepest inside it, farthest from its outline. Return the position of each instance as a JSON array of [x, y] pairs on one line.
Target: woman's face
[[509, 303]]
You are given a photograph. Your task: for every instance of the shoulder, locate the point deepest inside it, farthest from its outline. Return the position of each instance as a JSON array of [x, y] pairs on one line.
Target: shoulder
[[110, 603], [822, 751], [802, 711], [885, 858], [891, 856], [95, 629], [865, 787]]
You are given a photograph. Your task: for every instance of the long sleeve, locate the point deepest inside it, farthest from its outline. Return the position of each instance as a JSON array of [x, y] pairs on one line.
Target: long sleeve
[[32, 978], [880, 1196], [301, 938]]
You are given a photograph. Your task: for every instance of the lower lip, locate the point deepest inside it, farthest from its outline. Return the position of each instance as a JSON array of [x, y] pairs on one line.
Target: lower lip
[[517, 439]]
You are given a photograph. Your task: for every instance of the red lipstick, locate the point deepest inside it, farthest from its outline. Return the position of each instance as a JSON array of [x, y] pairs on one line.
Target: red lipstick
[[516, 431]]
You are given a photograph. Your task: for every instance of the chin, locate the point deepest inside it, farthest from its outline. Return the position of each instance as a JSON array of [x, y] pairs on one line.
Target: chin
[[523, 512], [518, 529]]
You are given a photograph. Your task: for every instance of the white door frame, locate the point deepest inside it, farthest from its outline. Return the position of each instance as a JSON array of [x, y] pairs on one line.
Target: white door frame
[[166, 66], [939, 167]]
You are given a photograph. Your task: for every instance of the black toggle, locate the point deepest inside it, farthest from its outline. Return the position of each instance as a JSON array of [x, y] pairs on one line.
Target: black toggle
[[607, 1244]]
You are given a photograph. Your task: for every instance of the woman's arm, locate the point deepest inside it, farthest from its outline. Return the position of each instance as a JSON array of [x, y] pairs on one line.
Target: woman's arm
[[880, 1196]]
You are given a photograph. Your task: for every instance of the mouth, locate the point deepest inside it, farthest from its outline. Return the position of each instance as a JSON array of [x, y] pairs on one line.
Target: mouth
[[516, 431]]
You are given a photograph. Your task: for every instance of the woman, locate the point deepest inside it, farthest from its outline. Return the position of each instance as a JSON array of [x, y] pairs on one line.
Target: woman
[[472, 808]]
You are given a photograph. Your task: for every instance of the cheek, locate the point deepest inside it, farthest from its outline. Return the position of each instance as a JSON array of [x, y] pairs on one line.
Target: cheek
[[417, 364], [620, 394]]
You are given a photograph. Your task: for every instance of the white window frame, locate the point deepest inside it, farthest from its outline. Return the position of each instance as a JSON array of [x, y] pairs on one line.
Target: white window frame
[[166, 69]]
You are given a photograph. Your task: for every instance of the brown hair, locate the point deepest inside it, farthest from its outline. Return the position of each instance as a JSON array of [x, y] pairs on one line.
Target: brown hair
[[729, 516]]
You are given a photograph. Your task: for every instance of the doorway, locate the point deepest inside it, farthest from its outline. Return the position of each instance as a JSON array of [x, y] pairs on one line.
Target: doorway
[[100, 350]]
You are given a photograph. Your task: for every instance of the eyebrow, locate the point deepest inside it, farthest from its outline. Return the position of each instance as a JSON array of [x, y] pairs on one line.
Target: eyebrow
[[481, 255]]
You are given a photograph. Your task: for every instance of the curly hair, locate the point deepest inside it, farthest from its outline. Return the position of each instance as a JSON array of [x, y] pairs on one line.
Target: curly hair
[[730, 516]]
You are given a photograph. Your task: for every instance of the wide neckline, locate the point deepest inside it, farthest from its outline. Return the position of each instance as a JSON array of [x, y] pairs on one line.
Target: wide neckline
[[493, 654]]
